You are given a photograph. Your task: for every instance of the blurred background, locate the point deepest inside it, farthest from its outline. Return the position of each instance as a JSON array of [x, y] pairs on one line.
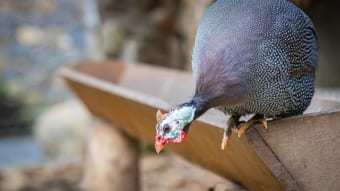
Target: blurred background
[[44, 129]]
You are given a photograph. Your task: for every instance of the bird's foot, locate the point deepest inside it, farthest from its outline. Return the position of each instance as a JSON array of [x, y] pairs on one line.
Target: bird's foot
[[226, 135], [231, 128], [257, 119]]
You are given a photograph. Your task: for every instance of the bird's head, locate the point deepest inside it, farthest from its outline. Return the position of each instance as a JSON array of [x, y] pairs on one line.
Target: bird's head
[[173, 127]]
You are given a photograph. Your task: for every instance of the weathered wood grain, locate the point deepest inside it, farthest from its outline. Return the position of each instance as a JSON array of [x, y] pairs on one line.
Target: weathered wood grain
[[308, 147]]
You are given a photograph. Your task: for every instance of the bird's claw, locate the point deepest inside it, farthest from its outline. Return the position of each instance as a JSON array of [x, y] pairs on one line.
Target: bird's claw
[[224, 142], [244, 126], [226, 135], [242, 129], [264, 123], [230, 129]]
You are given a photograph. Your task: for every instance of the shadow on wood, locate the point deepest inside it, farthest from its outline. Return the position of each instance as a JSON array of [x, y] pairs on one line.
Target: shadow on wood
[[284, 158]]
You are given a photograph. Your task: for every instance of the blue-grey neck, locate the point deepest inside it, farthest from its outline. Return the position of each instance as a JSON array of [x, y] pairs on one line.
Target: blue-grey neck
[[200, 104]]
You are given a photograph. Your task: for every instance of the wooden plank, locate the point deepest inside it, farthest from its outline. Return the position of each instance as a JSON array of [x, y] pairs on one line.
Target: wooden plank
[[284, 147], [136, 112], [137, 92], [308, 147]]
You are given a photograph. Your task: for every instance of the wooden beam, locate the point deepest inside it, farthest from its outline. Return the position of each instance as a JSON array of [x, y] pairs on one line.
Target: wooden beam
[[128, 96]]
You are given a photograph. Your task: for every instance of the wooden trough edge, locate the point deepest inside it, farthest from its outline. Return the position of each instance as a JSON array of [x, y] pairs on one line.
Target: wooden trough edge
[[254, 138], [73, 77]]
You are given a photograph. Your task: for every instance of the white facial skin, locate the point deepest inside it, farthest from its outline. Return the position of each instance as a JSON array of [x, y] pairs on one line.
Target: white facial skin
[[174, 122]]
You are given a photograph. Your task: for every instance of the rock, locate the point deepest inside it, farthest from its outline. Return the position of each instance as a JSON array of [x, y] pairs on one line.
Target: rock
[[112, 160], [61, 131]]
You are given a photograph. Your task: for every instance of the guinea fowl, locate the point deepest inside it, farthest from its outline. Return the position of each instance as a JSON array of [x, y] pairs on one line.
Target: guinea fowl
[[250, 57]]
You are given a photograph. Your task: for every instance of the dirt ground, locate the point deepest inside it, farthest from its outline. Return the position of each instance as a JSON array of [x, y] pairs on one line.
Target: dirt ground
[[169, 172], [166, 172]]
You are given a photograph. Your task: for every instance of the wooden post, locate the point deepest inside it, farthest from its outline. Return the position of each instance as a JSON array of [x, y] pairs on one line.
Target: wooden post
[[112, 160]]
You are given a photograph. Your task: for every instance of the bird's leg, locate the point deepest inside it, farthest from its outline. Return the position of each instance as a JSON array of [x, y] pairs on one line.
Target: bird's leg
[[257, 119], [231, 126]]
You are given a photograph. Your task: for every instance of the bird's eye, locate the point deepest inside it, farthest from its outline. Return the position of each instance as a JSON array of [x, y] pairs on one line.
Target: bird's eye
[[166, 128]]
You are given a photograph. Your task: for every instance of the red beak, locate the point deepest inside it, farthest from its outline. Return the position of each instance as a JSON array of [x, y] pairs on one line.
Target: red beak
[[159, 144], [159, 147]]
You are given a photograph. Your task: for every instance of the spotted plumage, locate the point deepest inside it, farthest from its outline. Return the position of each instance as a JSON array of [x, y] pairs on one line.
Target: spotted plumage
[[274, 45], [250, 57]]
